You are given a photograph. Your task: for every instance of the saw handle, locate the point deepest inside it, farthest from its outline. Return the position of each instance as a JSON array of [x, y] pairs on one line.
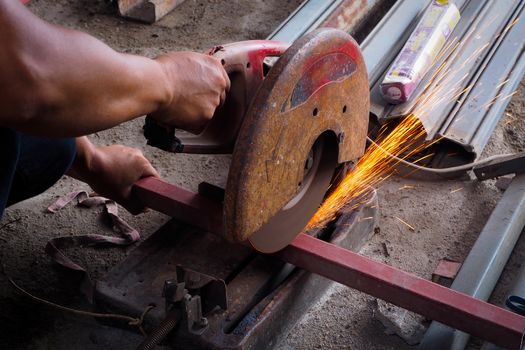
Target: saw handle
[[244, 63]]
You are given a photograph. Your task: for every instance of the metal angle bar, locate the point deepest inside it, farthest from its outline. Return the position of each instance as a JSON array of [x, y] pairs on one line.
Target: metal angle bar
[[351, 13], [485, 262], [513, 164], [401, 288], [405, 290], [384, 42], [477, 28], [303, 19], [504, 71]]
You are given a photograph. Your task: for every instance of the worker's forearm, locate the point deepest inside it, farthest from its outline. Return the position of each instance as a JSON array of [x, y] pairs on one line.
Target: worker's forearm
[[59, 82]]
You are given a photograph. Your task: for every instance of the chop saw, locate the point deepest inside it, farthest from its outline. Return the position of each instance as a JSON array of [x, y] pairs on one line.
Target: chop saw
[[294, 116], [289, 123]]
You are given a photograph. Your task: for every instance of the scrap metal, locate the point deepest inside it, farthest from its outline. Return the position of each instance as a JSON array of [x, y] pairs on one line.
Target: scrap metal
[[488, 64]]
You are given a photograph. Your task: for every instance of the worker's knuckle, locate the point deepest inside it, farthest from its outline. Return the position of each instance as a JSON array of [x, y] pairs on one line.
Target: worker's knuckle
[[208, 114]]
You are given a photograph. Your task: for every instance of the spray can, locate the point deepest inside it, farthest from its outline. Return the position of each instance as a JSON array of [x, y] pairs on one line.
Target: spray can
[[420, 51]]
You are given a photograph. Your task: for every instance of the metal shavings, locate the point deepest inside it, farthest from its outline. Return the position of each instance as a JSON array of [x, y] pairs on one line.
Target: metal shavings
[[410, 227]]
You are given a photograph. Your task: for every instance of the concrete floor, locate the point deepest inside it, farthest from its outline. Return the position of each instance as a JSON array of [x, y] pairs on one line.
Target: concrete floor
[[446, 221]]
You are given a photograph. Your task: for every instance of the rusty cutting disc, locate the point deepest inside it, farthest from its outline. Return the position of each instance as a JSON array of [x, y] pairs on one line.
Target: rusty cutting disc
[[310, 113], [284, 226]]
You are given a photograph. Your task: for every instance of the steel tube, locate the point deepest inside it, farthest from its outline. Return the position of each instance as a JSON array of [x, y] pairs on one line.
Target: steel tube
[[485, 262], [517, 289]]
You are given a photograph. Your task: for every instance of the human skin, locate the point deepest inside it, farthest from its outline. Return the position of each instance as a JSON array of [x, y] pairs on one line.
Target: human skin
[[57, 82]]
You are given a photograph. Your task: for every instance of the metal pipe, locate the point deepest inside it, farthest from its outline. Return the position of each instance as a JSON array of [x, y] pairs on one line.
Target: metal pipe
[[485, 262], [517, 289]]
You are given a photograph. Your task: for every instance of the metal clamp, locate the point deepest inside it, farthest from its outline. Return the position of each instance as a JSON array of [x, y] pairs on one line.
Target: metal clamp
[[194, 295]]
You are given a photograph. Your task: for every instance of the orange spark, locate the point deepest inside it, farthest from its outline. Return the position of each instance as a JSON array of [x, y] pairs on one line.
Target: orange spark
[[408, 137], [375, 166], [410, 227]]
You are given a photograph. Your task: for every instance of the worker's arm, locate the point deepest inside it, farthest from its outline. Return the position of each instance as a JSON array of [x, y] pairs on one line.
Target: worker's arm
[[60, 82], [111, 171]]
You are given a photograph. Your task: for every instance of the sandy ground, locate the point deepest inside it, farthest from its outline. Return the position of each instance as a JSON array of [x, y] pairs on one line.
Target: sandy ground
[[446, 220]]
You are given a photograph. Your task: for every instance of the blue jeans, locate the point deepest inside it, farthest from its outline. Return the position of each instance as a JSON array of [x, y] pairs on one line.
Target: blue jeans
[[29, 165]]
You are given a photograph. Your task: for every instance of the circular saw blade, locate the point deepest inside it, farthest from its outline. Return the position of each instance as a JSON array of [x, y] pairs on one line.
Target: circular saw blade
[[317, 90], [282, 228]]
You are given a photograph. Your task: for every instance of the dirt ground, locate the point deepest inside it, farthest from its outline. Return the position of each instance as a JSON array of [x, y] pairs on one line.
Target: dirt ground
[[447, 215]]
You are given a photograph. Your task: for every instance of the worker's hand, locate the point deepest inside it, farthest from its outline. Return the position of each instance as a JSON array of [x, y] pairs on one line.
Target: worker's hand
[[199, 85], [113, 170]]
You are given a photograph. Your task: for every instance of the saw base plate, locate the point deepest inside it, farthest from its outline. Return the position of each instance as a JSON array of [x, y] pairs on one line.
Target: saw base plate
[[265, 297]]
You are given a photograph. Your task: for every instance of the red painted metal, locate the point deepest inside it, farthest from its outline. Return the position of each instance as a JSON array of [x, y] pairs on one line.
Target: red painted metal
[[187, 207], [446, 268], [413, 293]]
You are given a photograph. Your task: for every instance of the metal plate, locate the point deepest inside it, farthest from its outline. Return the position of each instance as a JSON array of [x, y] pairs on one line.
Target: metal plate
[[318, 87]]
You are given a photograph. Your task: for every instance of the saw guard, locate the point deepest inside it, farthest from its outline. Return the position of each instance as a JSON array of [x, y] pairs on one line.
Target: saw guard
[[319, 84]]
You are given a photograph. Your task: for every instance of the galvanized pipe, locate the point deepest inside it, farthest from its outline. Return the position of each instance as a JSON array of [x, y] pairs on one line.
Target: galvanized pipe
[[483, 266], [517, 289]]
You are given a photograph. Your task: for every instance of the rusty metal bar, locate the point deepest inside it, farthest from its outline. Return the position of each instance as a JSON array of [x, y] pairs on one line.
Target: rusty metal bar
[[429, 299], [186, 206], [485, 262], [426, 298]]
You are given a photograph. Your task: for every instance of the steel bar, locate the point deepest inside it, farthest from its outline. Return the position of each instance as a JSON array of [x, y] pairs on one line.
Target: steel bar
[[472, 122], [187, 207], [349, 14], [345, 15], [401, 288], [405, 290], [485, 262], [514, 164]]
